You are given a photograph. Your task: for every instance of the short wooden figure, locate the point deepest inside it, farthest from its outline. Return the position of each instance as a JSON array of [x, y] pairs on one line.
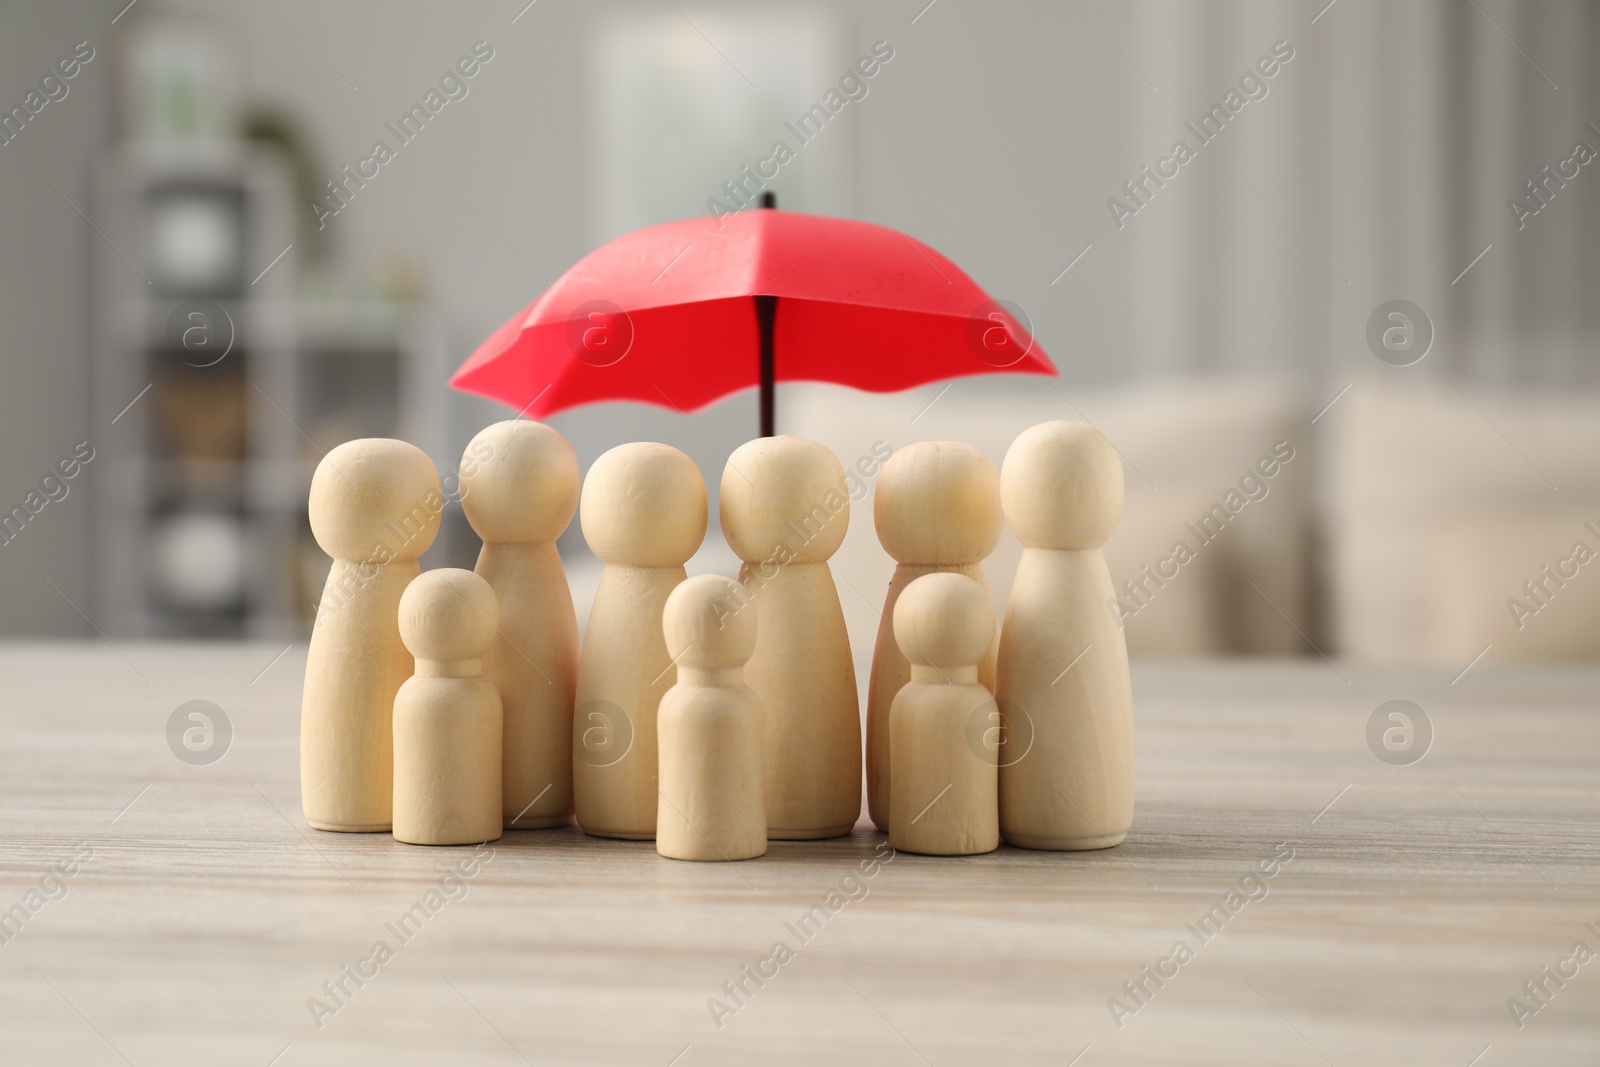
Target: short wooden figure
[[943, 792], [710, 726], [1062, 679], [519, 489], [374, 507], [447, 722], [937, 508], [785, 508], [643, 511]]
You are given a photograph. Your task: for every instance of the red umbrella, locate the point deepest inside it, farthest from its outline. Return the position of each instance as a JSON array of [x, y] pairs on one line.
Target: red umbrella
[[665, 315]]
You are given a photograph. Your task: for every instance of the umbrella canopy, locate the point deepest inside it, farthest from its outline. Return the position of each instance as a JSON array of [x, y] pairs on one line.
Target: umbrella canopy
[[665, 315]]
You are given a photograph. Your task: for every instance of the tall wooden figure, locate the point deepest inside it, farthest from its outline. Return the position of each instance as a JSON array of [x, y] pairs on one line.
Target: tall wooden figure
[[785, 508], [1073, 788], [643, 511], [519, 488], [374, 507], [709, 727], [447, 722], [942, 785], [937, 509]]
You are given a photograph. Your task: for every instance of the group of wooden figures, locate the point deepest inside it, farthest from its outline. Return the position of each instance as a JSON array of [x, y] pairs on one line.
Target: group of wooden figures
[[707, 714]]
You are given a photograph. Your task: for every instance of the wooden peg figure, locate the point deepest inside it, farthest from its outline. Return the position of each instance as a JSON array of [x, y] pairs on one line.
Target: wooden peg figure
[[943, 791], [643, 511], [447, 721], [374, 507], [709, 727], [785, 508], [1062, 679], [937, 508], [519, 489]]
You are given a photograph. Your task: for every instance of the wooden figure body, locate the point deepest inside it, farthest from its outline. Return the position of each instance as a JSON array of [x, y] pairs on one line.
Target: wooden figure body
[[519, 489], [710, 726], [1061, 484], [937, 508], [943, 789], [447, 722], [374, 507], [785, 508], [643, 511]]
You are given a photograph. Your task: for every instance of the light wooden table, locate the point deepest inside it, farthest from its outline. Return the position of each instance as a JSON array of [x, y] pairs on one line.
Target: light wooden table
[[1418, 900]]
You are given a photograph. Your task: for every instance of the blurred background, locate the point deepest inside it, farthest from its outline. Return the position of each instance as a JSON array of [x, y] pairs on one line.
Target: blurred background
[[201, 293]]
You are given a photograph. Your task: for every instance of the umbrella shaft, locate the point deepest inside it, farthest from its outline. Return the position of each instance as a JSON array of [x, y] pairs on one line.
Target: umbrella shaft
[[766, 314]]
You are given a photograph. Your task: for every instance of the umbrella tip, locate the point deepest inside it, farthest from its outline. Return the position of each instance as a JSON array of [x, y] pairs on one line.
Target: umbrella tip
[[769, 199]]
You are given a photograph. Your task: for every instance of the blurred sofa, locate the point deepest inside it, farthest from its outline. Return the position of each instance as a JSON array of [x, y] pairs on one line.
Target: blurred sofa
[[1186, 445], [1443, 507], [1397, 527]]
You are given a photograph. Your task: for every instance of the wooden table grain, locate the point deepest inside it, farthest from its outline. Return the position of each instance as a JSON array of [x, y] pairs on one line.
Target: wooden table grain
[[203, 922]]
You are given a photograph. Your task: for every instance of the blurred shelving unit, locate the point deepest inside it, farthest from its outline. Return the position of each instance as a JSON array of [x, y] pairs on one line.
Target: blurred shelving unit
[[192, 347], [220, 381], [231, 388]]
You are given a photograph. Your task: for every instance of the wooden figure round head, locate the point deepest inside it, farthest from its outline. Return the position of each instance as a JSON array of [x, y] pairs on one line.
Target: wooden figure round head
[[1061, 484], [709, 623], [644, 505], [375, 500], [519, 483], [448, 614], [784, 498], [938, 502], [944, 620]]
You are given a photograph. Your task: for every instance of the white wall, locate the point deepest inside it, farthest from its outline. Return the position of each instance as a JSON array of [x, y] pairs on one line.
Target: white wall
[[44, 304]]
